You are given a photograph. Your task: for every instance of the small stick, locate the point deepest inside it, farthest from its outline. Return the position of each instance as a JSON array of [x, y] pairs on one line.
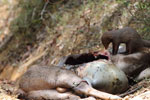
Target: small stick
[[130, 92], [43, 10]]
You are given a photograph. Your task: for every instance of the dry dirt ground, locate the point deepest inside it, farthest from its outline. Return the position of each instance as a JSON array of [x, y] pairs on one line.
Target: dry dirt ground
[[8, 88]]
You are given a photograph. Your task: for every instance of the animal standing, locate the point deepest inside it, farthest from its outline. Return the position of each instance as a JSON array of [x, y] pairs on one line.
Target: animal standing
[[126, 35]]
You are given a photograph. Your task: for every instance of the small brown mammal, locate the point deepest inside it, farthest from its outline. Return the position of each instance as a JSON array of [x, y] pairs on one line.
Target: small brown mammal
[[41, 82], [126, 35]]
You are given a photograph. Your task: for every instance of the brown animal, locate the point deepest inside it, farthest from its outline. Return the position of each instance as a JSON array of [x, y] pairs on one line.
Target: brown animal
[[126, 35], [97, 71], [132, 64], [42, 82]]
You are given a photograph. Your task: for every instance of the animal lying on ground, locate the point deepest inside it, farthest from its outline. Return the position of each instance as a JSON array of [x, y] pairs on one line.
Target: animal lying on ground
[[126, 35], [101, 74], [41, 82], [132, 64], [104, 76]]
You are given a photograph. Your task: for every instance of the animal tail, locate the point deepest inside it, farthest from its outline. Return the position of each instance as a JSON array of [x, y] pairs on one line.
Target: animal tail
[[146, 43]]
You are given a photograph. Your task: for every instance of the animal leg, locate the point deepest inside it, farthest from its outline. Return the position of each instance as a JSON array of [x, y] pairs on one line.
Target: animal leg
[[115, 48], [83, 87], [144, 74], [130, 48], [51, 94], [127, 47]]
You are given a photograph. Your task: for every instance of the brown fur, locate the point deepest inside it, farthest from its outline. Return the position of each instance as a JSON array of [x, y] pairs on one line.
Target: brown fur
[[126, 35], [41, 82], [132, 64]]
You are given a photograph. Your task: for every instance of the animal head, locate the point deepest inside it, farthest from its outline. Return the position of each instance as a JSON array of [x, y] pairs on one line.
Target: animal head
[[106, 41]]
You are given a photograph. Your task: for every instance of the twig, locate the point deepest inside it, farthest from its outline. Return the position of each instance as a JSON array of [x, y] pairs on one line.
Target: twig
[[5, 42], [130, 91], [43, 10], [33, 13], [45, 5]]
